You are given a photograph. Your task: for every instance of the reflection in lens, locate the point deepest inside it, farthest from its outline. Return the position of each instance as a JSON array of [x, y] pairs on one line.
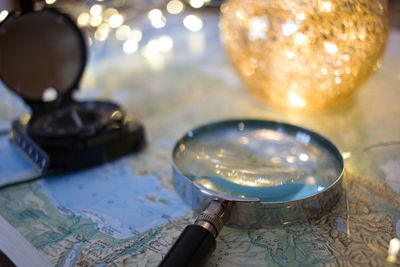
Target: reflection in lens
[[257, 162]]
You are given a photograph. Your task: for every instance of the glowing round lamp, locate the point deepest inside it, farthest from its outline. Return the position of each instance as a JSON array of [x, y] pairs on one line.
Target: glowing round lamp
[[305, 54]]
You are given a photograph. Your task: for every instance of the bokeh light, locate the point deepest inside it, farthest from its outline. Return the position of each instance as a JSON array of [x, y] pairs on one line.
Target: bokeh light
[[196, 3], [123, 32], [154, 14], [165, 43], [156, 18], [96, 10], [108, 13], [135, 35], [193, 23], [175, 7], [96, 21], [102, 32], [130, 46], [115, 21], [3, 15], [83, 19]]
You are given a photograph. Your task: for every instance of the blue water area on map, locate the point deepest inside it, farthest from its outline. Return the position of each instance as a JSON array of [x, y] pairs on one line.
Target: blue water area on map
[[113, 193]]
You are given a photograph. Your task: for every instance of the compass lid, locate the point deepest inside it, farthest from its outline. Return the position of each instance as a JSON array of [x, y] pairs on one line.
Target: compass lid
[[41, 52]]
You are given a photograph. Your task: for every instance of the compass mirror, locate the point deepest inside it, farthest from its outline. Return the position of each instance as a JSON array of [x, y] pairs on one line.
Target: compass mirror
[[42, 55]]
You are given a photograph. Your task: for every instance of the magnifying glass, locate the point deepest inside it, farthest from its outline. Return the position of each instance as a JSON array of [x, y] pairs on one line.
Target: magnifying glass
[[250, 174]]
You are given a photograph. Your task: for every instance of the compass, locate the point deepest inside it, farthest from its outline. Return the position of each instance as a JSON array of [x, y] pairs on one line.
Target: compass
[[77, 119], [43, 51]]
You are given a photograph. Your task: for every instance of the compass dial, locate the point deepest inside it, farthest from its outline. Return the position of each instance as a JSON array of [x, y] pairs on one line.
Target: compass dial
[[76, 119]]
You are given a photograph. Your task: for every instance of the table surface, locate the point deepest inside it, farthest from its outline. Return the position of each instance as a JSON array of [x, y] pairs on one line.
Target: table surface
[[172, 92]]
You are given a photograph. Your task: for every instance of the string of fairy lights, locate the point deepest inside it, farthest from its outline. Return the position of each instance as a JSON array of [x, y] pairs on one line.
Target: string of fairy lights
[[102, 20], [106, 21]]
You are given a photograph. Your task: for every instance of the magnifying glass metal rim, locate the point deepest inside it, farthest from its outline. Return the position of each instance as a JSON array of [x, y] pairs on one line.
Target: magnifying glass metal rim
[[271, 213]]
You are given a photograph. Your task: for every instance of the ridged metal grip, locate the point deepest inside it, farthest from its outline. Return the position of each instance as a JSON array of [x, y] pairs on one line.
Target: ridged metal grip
[[214, 216]]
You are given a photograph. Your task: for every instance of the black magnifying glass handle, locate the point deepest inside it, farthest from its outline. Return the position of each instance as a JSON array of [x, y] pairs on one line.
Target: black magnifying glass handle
[[192, 248], [197, 241]]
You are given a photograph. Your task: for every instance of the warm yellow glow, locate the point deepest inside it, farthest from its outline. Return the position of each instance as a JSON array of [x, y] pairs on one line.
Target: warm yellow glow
[[193, 23], [175, 7], [104, 27], [130, 46], [296, 101], [245, 182], [292, 54], [378, 63], [50, 94], [182, 147], [154, 14], [115, 21], [152, 53], [300, 38], [303, 157], [310, 180], [152, 48], [108, 13], [101, 33], [346, 155], [89, 40], [325, 6], [123, 32], [207, 185], [50, 2], [156, 18], [196, 3], [165, 43], [291, 159], [289, 28], [301, 16], [3, 15], [96, 10], [258, 28], [330, 48], [268, 135], [135, 35], [239, 15], [95, 21], [159, 23], [155, 51], [162, 44], [83, 19], [243, 140], [276, 160], [393, 250]]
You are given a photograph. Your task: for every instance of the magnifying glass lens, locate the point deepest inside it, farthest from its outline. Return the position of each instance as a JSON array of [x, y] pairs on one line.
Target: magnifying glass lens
[[273, 164]]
